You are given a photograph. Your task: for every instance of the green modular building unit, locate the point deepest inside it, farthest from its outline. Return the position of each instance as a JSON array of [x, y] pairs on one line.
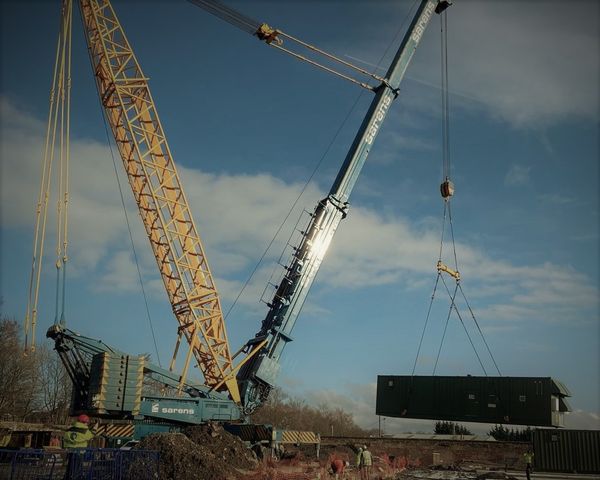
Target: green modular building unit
[[536, 401]]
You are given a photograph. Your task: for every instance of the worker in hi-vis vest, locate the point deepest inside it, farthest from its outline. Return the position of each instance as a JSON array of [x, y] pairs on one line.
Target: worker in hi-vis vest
[[528, 457], [79, 435], [367, 463]]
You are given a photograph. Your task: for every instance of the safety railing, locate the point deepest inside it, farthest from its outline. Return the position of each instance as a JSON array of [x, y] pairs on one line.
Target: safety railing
[[79, 464]]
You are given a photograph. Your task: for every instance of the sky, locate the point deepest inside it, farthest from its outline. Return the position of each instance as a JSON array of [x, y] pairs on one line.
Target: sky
[[247, 126]]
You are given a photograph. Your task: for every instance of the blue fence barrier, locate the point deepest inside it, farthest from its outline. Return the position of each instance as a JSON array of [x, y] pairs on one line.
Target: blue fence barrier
[[79, 464]]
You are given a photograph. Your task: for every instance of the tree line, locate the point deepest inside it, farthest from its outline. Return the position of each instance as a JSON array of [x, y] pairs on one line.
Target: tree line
[[34, 386], [498, 432], [287, 412]]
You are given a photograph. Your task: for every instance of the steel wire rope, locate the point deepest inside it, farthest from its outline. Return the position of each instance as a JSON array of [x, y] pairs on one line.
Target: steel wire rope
[[125, 210], [446, 173], [452, 235], [453, 306], [447, 216], [444, 334], [44, 194], [344, 121], [294, 205], [67, 167], [137, 264], [465, 297], [437, 279], [252, 26], [229, 15], [480, 331], [445, 99], [463, 294], [64, 147]]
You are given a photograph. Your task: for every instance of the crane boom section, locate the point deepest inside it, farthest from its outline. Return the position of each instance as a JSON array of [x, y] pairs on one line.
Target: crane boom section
[[257, 377], [386, 93], [152, 175]]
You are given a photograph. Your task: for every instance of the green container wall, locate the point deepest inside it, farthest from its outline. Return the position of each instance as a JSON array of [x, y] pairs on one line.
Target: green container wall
[[576, 451], [507, 400]]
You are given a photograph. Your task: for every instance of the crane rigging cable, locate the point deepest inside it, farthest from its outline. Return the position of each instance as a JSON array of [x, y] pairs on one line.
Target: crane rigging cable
[[58, 124], [447, 191], [274, 38], [235, 18], [135, 256], [319, 163]]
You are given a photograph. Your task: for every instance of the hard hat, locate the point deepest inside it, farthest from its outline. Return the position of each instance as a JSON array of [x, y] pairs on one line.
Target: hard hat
[[360, 449], [364, 447], [83, 418]]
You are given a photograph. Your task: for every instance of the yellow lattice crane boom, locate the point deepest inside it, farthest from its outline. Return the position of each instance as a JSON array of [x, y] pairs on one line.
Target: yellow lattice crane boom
[[139, 136]]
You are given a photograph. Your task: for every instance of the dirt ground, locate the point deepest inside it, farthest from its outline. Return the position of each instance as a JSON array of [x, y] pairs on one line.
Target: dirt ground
[[210, 453], [203, 452]]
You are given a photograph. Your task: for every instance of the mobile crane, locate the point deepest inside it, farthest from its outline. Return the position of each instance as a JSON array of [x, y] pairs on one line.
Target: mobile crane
[[111, 384]]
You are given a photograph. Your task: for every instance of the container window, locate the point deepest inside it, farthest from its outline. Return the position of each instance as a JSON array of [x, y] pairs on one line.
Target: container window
[[522, 398]]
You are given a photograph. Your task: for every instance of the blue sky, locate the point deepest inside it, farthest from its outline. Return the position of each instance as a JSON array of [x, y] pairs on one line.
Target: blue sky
[[247, 125]]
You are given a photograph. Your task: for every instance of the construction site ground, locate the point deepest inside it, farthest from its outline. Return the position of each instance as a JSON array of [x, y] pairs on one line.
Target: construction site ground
[[209, 452]]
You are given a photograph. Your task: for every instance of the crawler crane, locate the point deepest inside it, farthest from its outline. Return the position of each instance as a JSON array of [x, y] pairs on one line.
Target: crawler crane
[[112, 384]]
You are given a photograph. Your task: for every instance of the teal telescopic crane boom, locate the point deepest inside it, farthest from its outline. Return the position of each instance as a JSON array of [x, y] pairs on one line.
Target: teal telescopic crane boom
[[257, 377]]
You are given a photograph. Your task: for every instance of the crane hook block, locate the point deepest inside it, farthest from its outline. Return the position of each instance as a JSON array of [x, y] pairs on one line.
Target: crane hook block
[[268, 34], [447, 189]]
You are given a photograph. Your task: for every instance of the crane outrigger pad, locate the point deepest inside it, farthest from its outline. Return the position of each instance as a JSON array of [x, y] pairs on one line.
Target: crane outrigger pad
[[539, 401]]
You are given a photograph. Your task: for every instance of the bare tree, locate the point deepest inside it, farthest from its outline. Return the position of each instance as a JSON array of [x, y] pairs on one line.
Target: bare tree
[[54, 386], [18, 375], [283, 411]]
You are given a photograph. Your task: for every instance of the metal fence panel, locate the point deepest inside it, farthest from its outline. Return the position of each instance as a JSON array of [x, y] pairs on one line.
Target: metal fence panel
[[79, 464]]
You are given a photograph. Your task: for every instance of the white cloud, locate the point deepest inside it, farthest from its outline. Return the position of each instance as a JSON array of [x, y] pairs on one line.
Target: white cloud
[[517, 176], [528, 68], [237, 217], [531, 64], [580, 419]]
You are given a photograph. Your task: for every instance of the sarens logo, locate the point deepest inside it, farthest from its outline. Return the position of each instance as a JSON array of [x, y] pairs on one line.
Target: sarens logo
[[379, 116], [183, 411], [156, 408], [420, 27]]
